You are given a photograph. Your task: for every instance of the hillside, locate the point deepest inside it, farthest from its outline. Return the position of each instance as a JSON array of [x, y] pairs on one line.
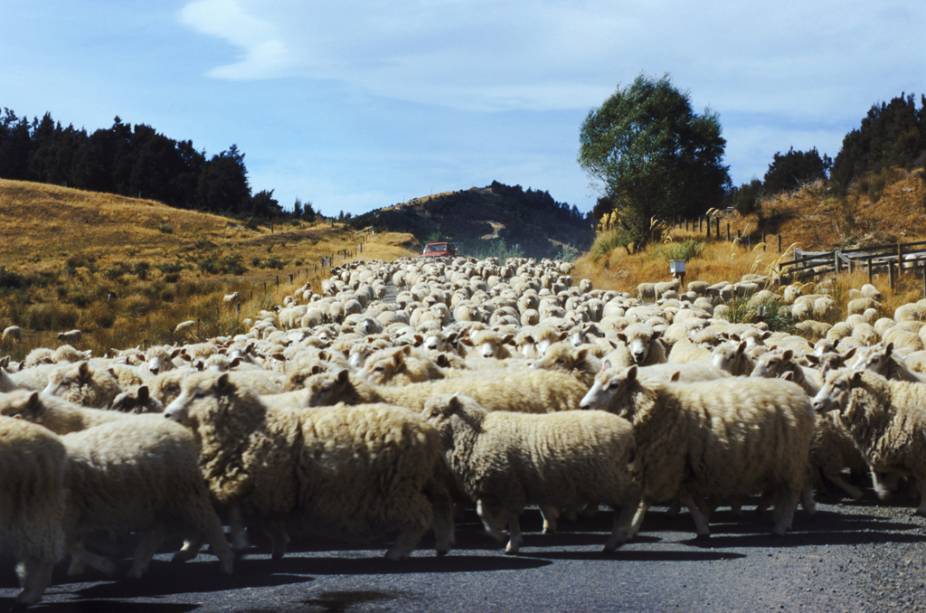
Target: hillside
[[126, 271], [488, 220]]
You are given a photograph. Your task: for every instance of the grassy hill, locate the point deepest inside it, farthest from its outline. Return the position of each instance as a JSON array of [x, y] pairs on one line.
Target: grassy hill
[[493, 220], [126, 271]]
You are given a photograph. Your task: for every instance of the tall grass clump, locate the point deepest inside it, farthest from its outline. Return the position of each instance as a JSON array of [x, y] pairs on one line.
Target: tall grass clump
[[685, 250]]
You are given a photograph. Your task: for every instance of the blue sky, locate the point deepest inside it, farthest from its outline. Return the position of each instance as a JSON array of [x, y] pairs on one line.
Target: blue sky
[[354, 105]]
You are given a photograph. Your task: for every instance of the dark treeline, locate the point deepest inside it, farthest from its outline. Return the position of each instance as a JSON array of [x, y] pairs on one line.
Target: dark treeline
[[132, 160], [892, 135], [540, 199]]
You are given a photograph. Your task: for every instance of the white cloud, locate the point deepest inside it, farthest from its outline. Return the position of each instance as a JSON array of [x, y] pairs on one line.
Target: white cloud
[[801, 59]]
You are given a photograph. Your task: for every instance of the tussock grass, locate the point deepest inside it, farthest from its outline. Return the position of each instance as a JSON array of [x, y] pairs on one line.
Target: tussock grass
[[108, 265]]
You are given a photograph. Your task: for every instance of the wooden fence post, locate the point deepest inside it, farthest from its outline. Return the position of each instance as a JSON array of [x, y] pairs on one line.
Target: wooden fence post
[[870, 276], [836, 261], [717, 228], [728, 231], [924, 279], [890, 274], [899, 259], [779, 242]]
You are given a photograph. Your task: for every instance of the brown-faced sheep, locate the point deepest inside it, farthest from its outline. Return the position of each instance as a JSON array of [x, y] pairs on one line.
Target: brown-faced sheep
[[887, 421], [352, 471], [32, 503], [718, 440], [504, 461]]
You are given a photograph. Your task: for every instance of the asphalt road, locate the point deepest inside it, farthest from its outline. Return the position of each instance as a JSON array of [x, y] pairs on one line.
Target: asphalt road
[[862, 557]]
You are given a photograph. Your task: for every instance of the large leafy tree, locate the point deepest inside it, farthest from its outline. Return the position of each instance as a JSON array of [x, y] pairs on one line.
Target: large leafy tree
[[792, 169], [654, 156]]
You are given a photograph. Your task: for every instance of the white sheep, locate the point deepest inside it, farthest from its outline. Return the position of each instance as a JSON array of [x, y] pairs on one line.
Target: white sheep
[[352, 471], [504, 461], [749, 435], [12, 333], [71, 336], [887, 421], [32, 503]]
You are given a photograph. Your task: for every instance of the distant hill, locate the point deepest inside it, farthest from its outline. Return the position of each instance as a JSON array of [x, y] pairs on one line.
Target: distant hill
[[489, 220]]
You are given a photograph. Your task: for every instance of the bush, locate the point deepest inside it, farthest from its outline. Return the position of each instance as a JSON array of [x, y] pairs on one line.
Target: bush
[[274, 262], [684, 250], [116, 271], [104, 318], [141, 270], [50, 316], [171, 267], [225, 265], [608, 241], [10, 279], [165, 228]]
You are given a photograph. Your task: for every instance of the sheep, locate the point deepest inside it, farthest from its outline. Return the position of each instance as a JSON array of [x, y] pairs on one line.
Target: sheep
[[184, 326], [644, 344], [399, 367], [578, 361], [883, 360], [732, 357], [138, 400], [12, 334], [887, 422], [83, 385], [778, 362], [32, 503], [71, 336], [351, 471], [504, 461], [686, 351], [490, 344], [57, 414], [232, 298], [522, 391], [748, 435]]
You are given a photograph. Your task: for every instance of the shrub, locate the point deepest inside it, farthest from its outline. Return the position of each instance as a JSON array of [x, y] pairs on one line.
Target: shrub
[[228, 265], [50, 316], [104, 318], [170, 267], [165, 228], [684, 250], [116, 271], [10, 279], [607, 242], [141, 269], [274, 262]]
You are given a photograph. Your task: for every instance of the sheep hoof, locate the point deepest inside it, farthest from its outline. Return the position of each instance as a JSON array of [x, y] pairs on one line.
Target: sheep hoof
[[511, 550], [921, 512], [442, 552], [228, 567]]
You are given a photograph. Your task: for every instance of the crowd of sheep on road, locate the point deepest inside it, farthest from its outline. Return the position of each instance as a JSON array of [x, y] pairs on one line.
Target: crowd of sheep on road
[[500, 385]]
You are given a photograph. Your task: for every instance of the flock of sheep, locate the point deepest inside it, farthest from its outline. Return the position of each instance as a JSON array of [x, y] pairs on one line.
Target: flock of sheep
[[500, 385]]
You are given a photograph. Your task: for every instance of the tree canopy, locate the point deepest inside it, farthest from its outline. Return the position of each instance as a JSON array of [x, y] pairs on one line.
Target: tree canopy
[[790, 170], [653, 154]]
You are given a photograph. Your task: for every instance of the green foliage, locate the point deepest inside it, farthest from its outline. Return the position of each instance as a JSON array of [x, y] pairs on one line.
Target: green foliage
[[891, 134], [568, 254], [10, 279], [165, 228], [774, 313], [684, 250], [791, 170], [141, 269], [606, 242], [654, 155], [496, 248]]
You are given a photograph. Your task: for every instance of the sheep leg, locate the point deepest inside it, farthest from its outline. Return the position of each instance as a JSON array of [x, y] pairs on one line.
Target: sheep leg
[[921, 485], [638, 519], [550, 515], [443, 524], [81, 558], [884, 483], [279, 539], [236, 527], [147, 546], [35, 577], [203, 521], [851, 491], [807, 501], [406, 542], [514, 534], [489, 521], [622, 528], [700, 519], [785, 505]]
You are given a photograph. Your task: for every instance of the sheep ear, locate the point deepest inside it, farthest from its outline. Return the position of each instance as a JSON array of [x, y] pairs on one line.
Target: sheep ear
[[787, 375], [605, 365], [316, 369], [814, 360], [675, 376], [857, 378], [323, 355], [622, 337], [235, 362], [454, 404], [766, 335], [741, 347], [200, 365], [442, 361], [406, 350], [143, 393], [418, 340], [632, 373], [343, 376], [788, 354], [581, 354], [34, 404], [175, 352], [849, 353], [83, 370], [508, 339], [111, 371], [889, 349]]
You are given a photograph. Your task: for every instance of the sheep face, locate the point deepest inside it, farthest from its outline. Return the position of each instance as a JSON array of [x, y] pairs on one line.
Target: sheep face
[[877, 359], [638, 341], [328, 389], [199, 396], [139, 401], [561, 356], [610, 390], [774, 364], [836, 390], [82, 385], [384, 368], [730, 357], [21, 405]]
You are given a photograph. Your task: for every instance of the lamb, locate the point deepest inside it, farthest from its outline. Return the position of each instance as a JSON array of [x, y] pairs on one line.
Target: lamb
[[732, 357], [352, 471], [490, 344], [579, 361], [748, 436], [881, 359], [83, 385], [32, 503], [686, 351], [504, 461], [522, 391], [887, 422]]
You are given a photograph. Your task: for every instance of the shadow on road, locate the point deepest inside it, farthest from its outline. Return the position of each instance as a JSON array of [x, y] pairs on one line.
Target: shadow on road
[[629, 555], [426, 564], [105, 606]]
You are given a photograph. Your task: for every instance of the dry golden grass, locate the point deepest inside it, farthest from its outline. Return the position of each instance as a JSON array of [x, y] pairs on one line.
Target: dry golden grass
[[126, 271]]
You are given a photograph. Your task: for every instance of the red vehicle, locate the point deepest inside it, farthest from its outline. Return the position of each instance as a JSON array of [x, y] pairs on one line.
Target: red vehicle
[[438, 250]]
